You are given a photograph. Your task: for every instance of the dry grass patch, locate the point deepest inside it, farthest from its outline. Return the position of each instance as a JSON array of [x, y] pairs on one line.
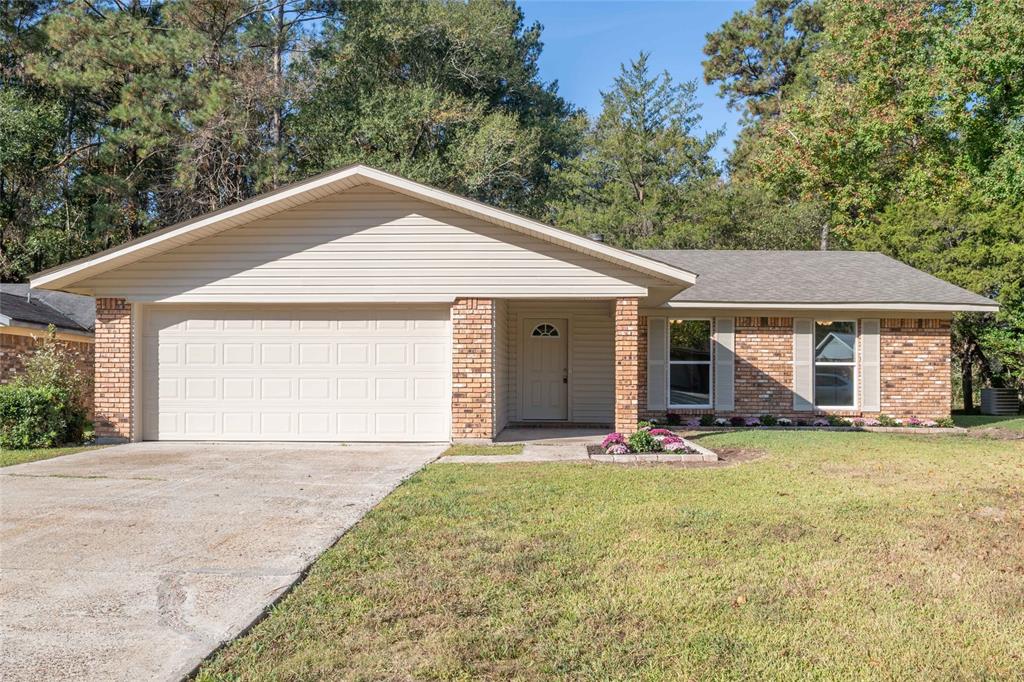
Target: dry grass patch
[[835, 556], [460, 450]]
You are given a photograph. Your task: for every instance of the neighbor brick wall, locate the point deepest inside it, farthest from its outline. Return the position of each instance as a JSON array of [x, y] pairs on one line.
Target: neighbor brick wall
[[627, 364], [16, 349], [113, 359], [915, 356], [473, 369]]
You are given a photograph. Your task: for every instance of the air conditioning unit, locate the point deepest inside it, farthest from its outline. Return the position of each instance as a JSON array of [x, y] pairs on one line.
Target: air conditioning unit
[[999, 401]]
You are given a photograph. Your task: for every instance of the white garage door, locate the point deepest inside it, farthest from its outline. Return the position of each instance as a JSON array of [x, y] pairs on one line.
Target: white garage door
[[295, 373]]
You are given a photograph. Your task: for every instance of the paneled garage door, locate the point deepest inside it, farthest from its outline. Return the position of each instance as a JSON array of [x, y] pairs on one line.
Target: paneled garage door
[[295, 373]]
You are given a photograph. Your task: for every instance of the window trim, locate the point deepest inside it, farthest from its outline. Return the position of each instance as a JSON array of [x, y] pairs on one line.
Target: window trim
[[855, 365], [710, 362]]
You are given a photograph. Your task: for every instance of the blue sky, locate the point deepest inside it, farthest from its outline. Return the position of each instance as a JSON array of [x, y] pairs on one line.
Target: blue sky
[[586, 40]]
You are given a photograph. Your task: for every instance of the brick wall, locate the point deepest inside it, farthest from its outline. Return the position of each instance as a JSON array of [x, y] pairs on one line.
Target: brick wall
[[113, 358], [915, 370], [915, 359], [764, 365], [16, 349], [473, 369], [627, 364]]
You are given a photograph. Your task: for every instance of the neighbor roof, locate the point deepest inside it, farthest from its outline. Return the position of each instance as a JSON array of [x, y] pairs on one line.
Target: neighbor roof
[[20, 306], [813, 278], [329, 183]]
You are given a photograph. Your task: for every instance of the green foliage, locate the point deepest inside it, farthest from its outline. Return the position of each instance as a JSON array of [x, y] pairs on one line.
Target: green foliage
[[886, 420], [707, 420], [44, 407], [945, 422], [639, 157], [768, 420], [643, 441], [834, 420]]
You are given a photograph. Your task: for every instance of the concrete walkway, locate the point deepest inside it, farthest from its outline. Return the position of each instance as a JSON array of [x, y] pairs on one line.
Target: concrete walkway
[[134, 562]]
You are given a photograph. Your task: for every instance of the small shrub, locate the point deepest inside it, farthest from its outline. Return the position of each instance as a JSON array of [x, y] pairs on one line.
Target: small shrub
[[643, 441], [821, 422], [45, 407], [673, 419], [801, 422], [834, 420], [738, 421], [645, 425], [768, 420], [708, 420], [945, 423], [752, 421], [613, 439], [886, 420], [722, 421], [783, 421]]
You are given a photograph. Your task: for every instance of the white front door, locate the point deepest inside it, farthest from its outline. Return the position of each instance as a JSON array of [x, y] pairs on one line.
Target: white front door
[[546, 368]]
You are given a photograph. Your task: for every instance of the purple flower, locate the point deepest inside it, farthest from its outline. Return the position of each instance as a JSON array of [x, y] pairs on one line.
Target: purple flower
[[679, 446], [820, 422], [617, 449], [912, 421], [872, 422], [613, 439], [693, 422], [753, 421]]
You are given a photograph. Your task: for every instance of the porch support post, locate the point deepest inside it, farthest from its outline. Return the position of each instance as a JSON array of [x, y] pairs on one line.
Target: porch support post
[[114, 363], [627, 364], [473, 322]]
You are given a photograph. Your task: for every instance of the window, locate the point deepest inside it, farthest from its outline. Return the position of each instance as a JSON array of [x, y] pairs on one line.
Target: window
[[545, 330], [689, 363], [835, 363]]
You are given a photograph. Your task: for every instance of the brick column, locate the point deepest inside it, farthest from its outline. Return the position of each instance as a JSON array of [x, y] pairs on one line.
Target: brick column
[[472, 369], [113, 366], [627, 364]]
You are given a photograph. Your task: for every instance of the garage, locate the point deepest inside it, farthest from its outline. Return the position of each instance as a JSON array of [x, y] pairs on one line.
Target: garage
[[295, 373]]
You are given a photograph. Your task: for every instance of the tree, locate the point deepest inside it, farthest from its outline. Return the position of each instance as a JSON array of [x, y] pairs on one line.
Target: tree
[[444, 93], [639, 157]]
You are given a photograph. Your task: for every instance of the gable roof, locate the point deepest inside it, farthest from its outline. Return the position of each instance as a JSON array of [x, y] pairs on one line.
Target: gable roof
[[838, 279], [324, 185], [19, 306]]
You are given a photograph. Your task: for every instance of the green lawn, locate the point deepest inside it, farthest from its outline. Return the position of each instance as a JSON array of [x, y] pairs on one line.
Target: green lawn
[[834, 556], [972, 421], [11, 457], [463, 449]]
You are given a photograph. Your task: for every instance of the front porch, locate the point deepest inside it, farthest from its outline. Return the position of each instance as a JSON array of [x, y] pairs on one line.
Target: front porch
[[546, 364]]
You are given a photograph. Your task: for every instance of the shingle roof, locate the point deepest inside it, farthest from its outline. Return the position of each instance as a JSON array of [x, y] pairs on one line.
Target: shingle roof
[[67, 312], [810, 277]]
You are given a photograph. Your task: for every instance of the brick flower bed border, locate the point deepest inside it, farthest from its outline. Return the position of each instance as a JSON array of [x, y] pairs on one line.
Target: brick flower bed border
[[700, 454]]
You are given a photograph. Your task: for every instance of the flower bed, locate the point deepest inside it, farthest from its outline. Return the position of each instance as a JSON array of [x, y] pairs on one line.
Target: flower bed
[[649, 440], [770, 421]]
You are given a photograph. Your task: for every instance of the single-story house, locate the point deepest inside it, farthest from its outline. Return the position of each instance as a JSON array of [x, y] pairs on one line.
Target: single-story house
[[26, 315], [358, 305]]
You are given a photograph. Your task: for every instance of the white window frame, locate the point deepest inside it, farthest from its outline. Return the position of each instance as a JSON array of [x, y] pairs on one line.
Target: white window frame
[[855, 365], [710, 362]]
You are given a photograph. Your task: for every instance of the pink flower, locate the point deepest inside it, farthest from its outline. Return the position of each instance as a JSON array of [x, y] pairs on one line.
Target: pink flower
[[613, 439], [679, 446], [693, 422], [930, 423], [618, 449], [872, 422], [668, 440], [661, 432]]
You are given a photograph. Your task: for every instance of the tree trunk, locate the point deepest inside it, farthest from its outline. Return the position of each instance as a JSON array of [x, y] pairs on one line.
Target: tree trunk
[[967, 379], [824, 236]]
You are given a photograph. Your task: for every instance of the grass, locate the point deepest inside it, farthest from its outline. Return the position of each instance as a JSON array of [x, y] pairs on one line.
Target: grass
[[500, 449], [834, 556], [12, 457], [971, 421]]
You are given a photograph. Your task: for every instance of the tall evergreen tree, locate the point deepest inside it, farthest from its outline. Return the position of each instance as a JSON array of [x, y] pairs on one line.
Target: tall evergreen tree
[[639, 157]]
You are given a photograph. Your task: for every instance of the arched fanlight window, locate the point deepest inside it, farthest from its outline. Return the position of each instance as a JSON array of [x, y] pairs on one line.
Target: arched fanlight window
[[545, 330]]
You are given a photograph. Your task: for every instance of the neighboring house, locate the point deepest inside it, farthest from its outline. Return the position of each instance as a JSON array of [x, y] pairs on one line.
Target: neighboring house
[[25, 316], [358, 305]]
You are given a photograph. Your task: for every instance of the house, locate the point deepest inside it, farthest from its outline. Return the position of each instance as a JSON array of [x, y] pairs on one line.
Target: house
[[358, 305], [25, 316]]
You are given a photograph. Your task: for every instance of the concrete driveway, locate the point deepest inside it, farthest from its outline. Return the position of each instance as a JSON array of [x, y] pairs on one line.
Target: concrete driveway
[[134, 562]]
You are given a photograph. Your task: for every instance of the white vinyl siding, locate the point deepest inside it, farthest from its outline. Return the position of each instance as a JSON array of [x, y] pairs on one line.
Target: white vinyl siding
[[500, 365], [591, 356], [367, 244], [312, 373]]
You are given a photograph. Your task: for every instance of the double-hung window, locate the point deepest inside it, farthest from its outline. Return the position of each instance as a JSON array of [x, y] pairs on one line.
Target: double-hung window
[[835, 363], [689, 363]]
